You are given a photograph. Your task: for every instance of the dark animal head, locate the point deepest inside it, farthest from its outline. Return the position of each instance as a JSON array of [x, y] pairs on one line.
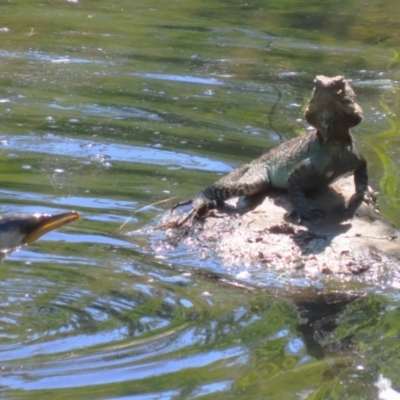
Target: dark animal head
[[333, 109]]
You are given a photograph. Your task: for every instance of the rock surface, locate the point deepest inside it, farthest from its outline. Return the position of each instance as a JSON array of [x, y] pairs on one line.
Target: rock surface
[[349, 241]]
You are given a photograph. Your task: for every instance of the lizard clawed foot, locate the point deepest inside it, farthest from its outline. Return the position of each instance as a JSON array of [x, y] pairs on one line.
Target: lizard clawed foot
[[368, 197], [305, 212]]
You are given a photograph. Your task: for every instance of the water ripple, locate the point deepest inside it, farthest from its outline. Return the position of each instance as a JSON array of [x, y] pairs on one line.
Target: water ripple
[[82, 372], [42, 56], [110, 111], [53, 144], [181, 78]]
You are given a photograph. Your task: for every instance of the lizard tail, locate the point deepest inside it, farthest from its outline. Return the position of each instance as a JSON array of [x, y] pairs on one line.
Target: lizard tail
[[181, 203]]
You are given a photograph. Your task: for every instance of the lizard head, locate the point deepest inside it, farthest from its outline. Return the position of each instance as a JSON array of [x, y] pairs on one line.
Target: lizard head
[[332, 109]]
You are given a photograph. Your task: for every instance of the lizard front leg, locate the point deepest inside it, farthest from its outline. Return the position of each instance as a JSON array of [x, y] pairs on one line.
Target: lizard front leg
[[304, 172], [361, 185], [361, 179]]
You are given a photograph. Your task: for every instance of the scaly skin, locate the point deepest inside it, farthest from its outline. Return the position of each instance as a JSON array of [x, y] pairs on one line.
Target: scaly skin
[[305, 163]]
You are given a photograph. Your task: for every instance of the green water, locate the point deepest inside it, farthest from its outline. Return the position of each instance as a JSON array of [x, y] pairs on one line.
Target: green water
[[107, 107]]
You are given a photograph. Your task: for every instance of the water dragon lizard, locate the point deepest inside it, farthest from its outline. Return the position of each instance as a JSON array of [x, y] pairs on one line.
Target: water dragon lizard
[[304, 163]]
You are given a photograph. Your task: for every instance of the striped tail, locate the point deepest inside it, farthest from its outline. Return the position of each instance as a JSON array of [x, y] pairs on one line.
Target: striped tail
[[181, 203]]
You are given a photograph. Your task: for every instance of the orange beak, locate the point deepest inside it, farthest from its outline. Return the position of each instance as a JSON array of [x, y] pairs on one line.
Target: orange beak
[[17, 230], [45, 223]]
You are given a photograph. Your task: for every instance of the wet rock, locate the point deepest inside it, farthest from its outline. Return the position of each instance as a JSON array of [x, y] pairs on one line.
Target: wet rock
[[351, 240]]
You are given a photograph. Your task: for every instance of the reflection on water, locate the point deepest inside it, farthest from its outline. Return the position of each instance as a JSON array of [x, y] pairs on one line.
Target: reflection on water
[[108, 108], [38, 55], [187, 79], [118, 113], [105, 153]]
